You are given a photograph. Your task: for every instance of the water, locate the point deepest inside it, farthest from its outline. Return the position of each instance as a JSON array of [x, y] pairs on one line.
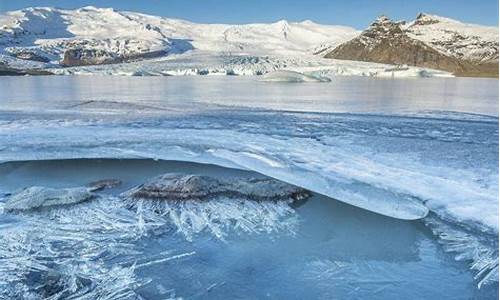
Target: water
[[344, 95], [321, 249], [396, 147]]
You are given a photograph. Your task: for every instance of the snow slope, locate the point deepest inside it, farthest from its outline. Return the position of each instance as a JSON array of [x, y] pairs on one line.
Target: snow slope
[[44, 37], [139, 44], [460, 40], [51, 30]]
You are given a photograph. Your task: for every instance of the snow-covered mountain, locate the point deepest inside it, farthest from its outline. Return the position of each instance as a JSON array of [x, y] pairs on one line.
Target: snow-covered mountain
[[460, 40], [82, 41], [92, 35], [428, 41]]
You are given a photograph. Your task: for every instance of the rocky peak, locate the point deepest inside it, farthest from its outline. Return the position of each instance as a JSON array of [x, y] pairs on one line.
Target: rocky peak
[[425, 19], [385, 41], [382, 28], [382, 20]]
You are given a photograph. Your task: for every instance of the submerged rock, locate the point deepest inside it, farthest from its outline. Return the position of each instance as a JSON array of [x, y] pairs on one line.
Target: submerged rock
[[38, 197], [184, 187]]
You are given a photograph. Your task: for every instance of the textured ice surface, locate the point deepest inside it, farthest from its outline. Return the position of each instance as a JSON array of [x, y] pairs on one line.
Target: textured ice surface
[[202, 63], [61, 253], [40, 197], [94, 250], [113, 248], [292, 76], [478, 249], [398, 165], [396, 147], [192, 217]]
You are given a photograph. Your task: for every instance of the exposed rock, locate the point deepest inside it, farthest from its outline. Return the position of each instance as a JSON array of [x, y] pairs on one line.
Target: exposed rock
[[391, 42], [385, 42], [423, 19], [144, 55], [103, 184], [184, 187], [475, 46], [84, 57], [37, 197]]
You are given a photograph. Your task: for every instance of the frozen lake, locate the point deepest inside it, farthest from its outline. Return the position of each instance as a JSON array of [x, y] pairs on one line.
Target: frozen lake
[[380, 155], [343, 95]]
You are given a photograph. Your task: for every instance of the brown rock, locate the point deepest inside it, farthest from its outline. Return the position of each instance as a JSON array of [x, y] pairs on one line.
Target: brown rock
[[197, 187], [385, 42]]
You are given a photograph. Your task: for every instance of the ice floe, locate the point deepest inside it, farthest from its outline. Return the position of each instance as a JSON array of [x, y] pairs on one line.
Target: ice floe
[[40, 197], [291, 76]]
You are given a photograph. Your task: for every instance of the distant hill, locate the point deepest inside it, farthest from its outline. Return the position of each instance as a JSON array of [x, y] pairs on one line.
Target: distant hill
[[429, 41]]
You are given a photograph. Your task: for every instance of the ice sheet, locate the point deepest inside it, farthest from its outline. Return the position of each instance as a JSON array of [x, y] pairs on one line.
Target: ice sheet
[[394, 165], [375, 144]]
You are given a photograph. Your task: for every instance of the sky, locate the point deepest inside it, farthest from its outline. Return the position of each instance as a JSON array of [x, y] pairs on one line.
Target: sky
[[355, 13]]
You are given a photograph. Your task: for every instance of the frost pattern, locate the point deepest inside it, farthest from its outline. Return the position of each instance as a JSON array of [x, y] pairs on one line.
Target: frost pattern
[[479, 250], [359, 275], [217, 216], [89, 250]]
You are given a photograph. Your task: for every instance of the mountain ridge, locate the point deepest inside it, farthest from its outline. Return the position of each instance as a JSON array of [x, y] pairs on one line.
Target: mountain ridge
[[428, 41], [51, 37]]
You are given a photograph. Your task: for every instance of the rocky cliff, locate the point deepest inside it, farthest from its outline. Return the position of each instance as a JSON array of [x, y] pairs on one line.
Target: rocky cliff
[[429, 41]]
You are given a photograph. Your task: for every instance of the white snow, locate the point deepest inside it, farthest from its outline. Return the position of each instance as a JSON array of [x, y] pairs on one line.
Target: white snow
[[122, 32], [462, 40], [191, 48]]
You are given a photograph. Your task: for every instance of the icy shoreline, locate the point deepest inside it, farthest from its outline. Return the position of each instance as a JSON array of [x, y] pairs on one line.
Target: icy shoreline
[[114, 231], [395, 152]]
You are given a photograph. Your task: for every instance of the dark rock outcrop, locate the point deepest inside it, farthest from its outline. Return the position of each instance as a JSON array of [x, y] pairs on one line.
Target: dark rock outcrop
[[197, 187], [422, 19], [385, 41], [86, 57]]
